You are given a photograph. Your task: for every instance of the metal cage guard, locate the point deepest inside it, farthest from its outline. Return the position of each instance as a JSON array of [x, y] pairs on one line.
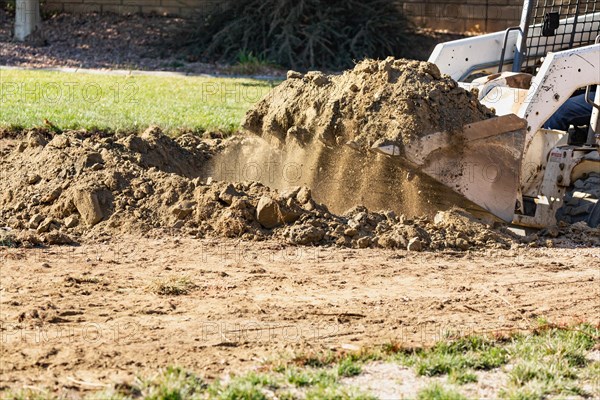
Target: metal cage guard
[[521, 50], [571, 30]]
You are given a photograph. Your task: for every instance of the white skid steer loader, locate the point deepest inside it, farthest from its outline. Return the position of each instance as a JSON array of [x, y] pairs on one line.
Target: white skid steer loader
[[510, 166]]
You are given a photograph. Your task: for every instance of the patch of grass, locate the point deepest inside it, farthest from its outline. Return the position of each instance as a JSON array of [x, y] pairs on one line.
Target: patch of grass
[[591, 376], [239, 391], [172, 384], [462, 377], [121, 391], [260, 380], [551, 362], [298, 378], [246, 387], [249, 64], [525, 372], [316, 360], [327, 359], [172, 286], [286, 396], [472, 352], [336, 393], [348, 367], [439, 364], [308, 377], [125, 103], [438, 392]]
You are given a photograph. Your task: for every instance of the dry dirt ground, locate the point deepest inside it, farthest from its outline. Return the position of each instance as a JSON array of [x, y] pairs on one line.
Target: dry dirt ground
[[76, 318]]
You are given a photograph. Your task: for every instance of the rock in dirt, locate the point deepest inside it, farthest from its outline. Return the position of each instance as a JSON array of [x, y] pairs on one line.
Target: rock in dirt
[[184, 209], [33, 179], [305, 234], [304, 195], [57, 238], [36, 139], [267, 213], [415, 244], [363, 242], [46, 225], [228, 194], [35, 221], [71, 222], [294, 75], [89, 160], [88, 206], [60, 142], [289, 211]]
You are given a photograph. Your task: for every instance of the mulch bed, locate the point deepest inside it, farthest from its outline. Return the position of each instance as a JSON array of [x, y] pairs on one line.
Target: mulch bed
[[137, 42]]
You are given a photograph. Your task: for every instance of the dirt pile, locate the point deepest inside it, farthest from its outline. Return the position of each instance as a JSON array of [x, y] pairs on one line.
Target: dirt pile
[[391, 100], [57, 189], [565, 235], [70, 187], [57, 186]]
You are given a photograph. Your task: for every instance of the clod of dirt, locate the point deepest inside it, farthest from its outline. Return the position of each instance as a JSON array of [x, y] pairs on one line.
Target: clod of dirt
[[414, 244], [267, 213], [391, 100], [567, 235], [88, 206]]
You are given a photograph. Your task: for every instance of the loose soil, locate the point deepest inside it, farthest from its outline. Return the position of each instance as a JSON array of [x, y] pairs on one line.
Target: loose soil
[[65, 188], [122, 253], [77, 318], [174, 268], [394, 100]]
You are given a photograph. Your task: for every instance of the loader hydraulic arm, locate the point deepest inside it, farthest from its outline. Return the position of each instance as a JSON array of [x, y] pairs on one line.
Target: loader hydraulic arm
[[560, 75]]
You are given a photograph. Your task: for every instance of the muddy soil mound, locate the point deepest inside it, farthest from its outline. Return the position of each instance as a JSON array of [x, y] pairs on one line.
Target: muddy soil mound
[[70, 187], [391, 100]]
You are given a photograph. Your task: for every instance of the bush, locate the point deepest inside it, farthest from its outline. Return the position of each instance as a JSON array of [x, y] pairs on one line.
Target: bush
[[299, 34], [8, 6]]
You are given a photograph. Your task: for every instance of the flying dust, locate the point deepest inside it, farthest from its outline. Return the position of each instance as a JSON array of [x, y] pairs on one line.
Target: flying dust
[[339, 177]]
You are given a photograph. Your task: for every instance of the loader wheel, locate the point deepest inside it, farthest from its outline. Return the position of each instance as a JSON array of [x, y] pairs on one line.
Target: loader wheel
[[594, 218], [581, 201]]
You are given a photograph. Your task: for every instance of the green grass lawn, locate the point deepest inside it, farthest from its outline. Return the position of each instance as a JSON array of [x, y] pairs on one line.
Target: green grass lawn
[[113, 102]]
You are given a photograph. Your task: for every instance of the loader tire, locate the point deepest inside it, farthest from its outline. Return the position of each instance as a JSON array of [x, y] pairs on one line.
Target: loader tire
[[581, 201], [594, 218]]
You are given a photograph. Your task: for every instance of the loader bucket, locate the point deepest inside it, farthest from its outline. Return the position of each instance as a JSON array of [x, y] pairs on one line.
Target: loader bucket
[[482, 163]]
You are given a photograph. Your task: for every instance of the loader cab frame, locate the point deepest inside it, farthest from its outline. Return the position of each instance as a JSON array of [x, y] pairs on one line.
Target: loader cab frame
[[555, 46]]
